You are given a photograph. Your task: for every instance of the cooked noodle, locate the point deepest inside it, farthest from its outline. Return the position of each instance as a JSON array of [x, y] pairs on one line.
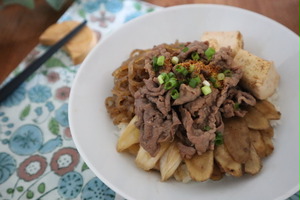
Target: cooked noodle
[[128, 78]]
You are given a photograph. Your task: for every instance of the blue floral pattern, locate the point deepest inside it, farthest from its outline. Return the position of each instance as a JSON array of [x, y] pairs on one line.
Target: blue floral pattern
[[39, 93], [95, 189], [91, 6], [26, 140], [70, 184], [113, 6], [61, 115], [50, 145], [7, 166], [50, 106], [36, 140]]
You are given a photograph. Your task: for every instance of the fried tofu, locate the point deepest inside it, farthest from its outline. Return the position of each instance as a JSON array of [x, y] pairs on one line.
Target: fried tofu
[[78, 47], [259, 76], [232, 39]]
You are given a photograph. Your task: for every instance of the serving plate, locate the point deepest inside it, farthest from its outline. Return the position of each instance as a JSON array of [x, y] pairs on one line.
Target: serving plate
[[94, 132]]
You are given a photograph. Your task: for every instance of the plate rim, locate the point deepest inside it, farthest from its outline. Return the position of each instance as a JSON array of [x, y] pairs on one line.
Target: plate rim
[[108, 36]]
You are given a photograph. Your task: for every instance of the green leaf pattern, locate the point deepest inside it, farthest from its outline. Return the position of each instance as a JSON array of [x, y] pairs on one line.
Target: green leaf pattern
[[53, 126], [25, 112]]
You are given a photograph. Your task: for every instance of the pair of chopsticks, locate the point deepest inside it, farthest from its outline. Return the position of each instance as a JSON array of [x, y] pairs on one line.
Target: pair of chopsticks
[[20, 78]]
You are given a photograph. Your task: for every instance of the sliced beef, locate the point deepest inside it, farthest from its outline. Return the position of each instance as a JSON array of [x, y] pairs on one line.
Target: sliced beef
[[201, 105], [242, 97], [156, 121], [219, 122], [187, 94], [201, 139], [159, 50], [193, 119], [162, 103], [153, 120], [156, 129], [152, 87], [195, 46], [223, 58], [186, 152], [234, 102], [228, 109]]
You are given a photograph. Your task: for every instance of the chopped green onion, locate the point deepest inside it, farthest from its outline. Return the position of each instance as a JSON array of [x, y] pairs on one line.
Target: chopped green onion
[[154, 64], [217, 84], [236, 106], [171, 75], [206, 90], [162, 78], [221, 76], [179, 68], [154, 60], [185, 72], [227, 73], [160, 60], [195, 56], [185, 49], [194, 81], [206, 128], [175, 94], [191, 68], [182, 70], [175, 60], [212, 79], [209, 53], [172, 82], [218, 138]]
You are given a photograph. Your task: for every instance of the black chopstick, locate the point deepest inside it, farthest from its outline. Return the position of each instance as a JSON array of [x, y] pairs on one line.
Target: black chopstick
[[7, 89]]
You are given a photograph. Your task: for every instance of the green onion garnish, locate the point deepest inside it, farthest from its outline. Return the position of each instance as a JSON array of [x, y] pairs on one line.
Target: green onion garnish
[[160, 60], [175, 94], [236, 106], [218, 138], [154, 60], [217, 84], [195, 56], [171, 83], [171, 75], [206, 90], [182, 70], [175, 60], [179, 68], [185, 49], [154, 64], [221, 76], [212, 79], [209, 53], [191, 68], [194, 81], [227, 73], [162, 78], [206, 128]]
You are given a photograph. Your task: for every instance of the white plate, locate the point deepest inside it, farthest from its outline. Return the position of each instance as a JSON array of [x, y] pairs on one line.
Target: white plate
[[93, 131]]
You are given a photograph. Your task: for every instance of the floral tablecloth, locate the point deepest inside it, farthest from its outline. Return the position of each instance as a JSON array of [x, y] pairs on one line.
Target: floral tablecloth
[[38, 159]]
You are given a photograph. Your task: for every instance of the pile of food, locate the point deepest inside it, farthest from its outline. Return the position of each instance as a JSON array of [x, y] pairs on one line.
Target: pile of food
[[196, 110]]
